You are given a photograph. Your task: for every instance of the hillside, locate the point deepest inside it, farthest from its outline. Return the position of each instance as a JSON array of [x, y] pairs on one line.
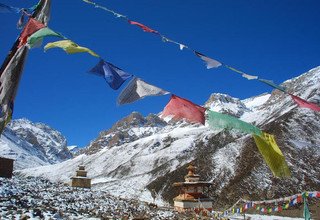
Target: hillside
[[33, 144], [137, 158]]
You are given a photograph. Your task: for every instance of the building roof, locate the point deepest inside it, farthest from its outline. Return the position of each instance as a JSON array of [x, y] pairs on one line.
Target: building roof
[[192, 197], [3, 158], [200, 183]]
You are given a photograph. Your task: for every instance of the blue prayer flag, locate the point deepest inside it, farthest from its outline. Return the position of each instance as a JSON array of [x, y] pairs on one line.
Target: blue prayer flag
[[114, 76]]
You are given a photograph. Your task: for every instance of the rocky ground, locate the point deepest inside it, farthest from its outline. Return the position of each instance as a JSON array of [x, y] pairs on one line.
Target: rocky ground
[[37, 198]]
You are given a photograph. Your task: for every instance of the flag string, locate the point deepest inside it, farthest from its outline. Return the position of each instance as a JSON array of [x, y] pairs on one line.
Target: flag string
[[211, 63]]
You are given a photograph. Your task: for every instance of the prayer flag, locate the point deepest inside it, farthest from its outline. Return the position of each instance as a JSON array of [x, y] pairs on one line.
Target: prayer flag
[[305, 104], [306, 212], [181, 108], [12, 67], [21, 20], [211, 63], [138, 89], [143, 27], [40, 34], [69, 47], [88, 2], [31, 27], [114, 76], [299, 199], [272, 154], [247, 76], [219, 120], [272, 84], [182, 46], [9, 82]]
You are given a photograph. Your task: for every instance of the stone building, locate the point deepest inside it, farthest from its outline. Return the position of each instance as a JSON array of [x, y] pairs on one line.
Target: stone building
[[81, 180], [6, 167], [192, 194]]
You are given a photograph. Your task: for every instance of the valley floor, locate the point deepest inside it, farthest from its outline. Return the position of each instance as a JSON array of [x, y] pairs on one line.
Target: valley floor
[[38, 198]]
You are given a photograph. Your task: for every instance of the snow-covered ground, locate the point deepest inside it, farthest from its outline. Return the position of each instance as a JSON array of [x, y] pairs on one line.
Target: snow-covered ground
[[125, 169], [40, 199]]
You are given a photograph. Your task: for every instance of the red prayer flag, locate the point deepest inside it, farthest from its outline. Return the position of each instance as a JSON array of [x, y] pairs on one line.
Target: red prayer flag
[[318, 195], [143, 27], [305, 104], [299, 199], [31, 27], [279, 208], [182, 108]]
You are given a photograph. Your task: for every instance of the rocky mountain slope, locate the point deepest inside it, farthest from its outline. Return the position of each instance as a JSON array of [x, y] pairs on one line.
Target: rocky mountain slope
[[33, 144], [139, 159]]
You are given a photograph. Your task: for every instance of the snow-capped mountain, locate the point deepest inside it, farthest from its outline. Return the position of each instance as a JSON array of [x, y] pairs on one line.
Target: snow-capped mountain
[[226, 104], [32, 144], [142, 160], [74, 149], [127, 130]]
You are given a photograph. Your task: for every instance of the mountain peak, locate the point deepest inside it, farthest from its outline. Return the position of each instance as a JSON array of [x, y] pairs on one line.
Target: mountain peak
[[128, 129], [226, 104], [43, 137]]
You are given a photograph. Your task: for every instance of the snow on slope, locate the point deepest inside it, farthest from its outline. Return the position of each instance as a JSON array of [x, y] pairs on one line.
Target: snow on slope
[[48, 140], [307, 86], [24, 153], [256, 101], [124, 170], [32, 144]]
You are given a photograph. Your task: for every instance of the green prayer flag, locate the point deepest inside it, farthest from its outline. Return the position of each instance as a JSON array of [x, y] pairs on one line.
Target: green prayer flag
[[69, 47], [272, 154], [219, 120], [306, 212], [40, 34]]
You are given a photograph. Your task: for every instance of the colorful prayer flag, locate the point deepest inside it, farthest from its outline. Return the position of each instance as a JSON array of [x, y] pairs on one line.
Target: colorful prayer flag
[[31, 27], [306, 212], [114, 76], [143, 27], [138, 89], [180, 108], [12, 67], [247, 76], [9, 82], [211, 63], [272, 84], [224, 121], [40, 34], [69, 47], [305, 104], [272, 154]]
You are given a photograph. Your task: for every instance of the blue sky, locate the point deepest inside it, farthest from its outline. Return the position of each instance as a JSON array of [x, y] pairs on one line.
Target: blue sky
[[273, 39]]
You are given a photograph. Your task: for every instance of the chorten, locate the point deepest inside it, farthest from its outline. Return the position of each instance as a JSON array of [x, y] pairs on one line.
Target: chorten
[[81, 180], [191, 194]]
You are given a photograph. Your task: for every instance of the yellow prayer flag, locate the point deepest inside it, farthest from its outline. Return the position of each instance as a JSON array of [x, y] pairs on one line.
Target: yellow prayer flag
[[272, 154], [70, 47]]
